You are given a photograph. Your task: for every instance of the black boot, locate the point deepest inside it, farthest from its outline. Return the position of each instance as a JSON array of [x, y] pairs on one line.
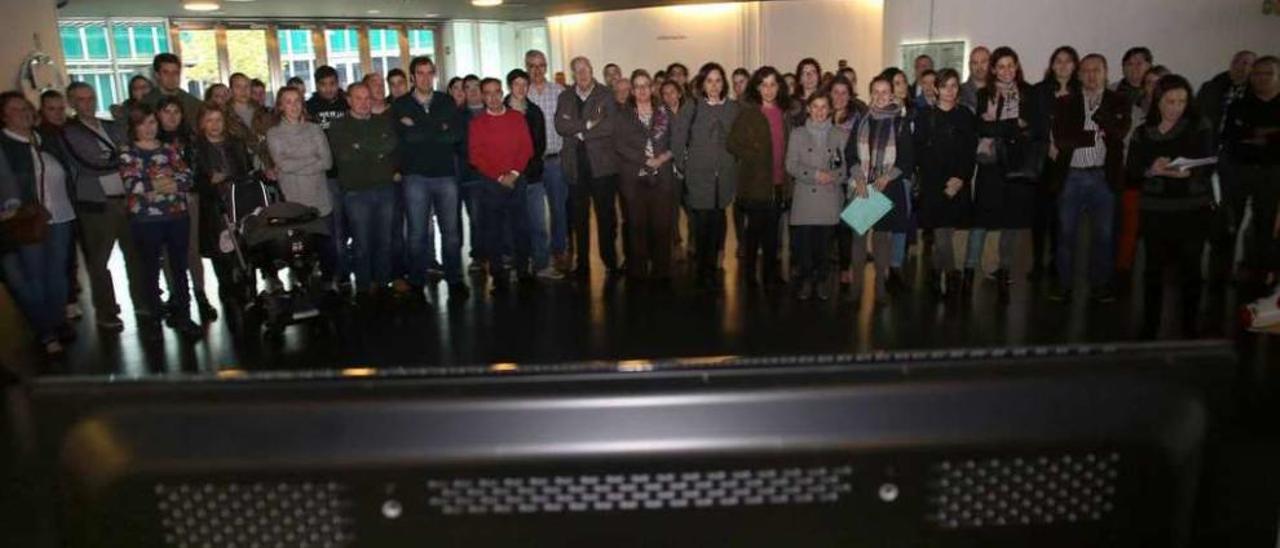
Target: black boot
[[895, 283], [1002, 284], [954, 281], [936, 282], [966, 283], [1191, 310], [208, 314]]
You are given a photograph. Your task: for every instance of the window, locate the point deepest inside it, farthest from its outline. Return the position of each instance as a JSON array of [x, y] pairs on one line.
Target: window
[[422, 42], [532, 37], [491, 50], [106, 53], [344, 54], [247, 51], [384, 47], [297, 57], [199, 61], [466, 61]]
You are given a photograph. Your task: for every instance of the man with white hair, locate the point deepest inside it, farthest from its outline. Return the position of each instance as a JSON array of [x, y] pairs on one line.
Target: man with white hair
[[584, 118]]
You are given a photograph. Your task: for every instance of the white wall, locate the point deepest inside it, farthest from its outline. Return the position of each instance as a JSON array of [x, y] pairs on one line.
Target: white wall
[[739, 34], [832, 30], [1192, 37], [651, 38], [26, 23]]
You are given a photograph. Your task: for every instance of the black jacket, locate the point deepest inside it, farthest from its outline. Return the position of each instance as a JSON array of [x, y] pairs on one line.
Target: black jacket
[[429, 137], [538, 131], [18, 168], [1112, 117]]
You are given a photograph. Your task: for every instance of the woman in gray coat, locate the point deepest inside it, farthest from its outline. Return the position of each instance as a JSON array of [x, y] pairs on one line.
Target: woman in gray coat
[[699, 143], [815, 159]]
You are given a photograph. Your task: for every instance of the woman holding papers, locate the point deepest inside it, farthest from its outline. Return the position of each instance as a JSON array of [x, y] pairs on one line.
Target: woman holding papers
[[1175, 203], [947, 140], [880, 154], [815, 159]]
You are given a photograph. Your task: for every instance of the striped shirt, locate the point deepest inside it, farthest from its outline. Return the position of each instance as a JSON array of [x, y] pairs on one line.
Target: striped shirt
[[1096, 155], [547, 100]]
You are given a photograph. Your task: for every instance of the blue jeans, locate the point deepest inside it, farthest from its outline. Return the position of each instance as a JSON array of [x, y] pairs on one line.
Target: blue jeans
[[557, 192], [424, 198], [506, 218], [1086, 191], [36, 275], [470, 192], [155, 238], [974, 247], [338, 231], [536, 202], [399, 256], [899, 250], [371, 216]]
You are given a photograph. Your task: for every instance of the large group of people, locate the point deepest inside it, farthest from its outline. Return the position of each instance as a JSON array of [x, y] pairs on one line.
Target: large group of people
[[392, 162]]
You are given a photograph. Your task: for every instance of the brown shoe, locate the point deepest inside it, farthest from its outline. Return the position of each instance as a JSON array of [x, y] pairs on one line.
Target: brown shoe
[[401, 286]]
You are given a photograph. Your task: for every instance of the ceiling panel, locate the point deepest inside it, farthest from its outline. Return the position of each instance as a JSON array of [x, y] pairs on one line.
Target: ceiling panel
[[513, 10]]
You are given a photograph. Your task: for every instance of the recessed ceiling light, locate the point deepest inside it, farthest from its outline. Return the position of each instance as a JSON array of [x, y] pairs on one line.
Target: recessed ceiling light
[[201, 6], [486, 3], [373, 12], [431, 15]]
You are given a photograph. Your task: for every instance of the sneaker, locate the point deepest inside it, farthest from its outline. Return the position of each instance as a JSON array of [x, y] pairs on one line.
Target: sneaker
[[1059, 294], [54, 350], [208, 314], [401, 286], [805, 291], [1103, 294], [187, 328], [67, 333], [824, 291], [74, 312], [111, 325], [550, 274]]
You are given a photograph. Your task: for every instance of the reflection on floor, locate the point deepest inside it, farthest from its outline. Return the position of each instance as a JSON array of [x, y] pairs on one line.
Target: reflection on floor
[[608, 318]]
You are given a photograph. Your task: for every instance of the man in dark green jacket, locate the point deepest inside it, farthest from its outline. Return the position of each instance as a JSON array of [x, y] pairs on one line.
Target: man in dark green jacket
[[364, 151]]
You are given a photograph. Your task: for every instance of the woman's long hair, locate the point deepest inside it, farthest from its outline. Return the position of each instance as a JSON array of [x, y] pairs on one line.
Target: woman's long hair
[[700, 80], [1072, 83], [752, 93]]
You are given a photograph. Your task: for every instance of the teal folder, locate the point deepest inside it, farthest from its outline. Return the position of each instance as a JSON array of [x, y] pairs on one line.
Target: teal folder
[[862, 213]]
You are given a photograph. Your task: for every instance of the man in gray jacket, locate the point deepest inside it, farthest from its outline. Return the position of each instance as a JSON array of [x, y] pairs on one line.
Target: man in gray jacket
[[584, 117], [94, 146]]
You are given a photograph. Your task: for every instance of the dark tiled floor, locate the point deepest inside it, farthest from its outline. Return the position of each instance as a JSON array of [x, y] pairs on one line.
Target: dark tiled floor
[[614, 319]]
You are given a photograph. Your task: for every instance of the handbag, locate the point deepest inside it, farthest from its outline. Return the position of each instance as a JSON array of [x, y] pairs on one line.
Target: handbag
[[29, 225], [30, 222]]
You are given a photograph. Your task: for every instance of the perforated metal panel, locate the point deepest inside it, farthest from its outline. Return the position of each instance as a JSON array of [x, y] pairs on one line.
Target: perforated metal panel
[[302, 514], [1042, 490], [638, 492]]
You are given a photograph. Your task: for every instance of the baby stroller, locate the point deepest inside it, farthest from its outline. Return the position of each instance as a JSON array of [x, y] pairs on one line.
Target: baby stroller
[[263, 233]]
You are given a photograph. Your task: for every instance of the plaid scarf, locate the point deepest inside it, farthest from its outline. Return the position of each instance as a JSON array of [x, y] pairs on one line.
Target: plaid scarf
[[878, 146]]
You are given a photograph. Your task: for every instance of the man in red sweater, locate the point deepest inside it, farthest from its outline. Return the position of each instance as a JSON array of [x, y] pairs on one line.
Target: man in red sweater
[[500, 148]]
